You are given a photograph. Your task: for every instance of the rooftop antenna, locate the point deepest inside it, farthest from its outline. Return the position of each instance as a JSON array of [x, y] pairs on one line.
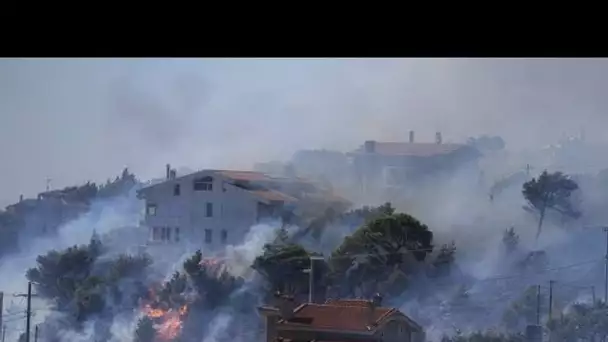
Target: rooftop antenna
[[48, 184]]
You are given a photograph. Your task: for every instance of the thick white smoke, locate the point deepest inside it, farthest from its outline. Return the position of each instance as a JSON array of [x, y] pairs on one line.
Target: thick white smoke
[[119, 215], [116, 222], [239, 258], [456, 209]]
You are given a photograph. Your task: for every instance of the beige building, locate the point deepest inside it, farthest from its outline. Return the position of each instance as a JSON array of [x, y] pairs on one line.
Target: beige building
[[338, 320], [210, 209], [401, 164]]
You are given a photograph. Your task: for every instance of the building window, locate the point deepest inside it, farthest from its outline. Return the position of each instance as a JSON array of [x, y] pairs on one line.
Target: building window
[[176, 234], [224, 236], [163, 233], [209, 210], [203, 184], [155, 233], [151, 210], [176, 190], [168, 234], [208, 235]]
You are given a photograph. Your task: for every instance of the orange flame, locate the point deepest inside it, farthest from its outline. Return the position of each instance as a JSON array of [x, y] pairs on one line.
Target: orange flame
[[168, 323], [209, 262], [171, 324]]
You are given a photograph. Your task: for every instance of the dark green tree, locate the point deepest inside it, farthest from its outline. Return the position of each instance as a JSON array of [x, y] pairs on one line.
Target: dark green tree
[[211, 282], [366, 214], [550, 191], [204, 285], [283, 264], [60, 274], [382, 246], [80, 284], [145, 331]]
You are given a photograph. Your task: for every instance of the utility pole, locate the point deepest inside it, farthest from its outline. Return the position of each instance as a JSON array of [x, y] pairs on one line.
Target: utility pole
[[537, 306], [310, 272], [606, 269], [3, 332], [1, 307], [28, 317], [36, 333], [29, 311], [551, 282]]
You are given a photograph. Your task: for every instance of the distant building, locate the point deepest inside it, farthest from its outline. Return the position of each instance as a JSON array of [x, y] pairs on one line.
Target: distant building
[[339, 320], [43, 215], [212, 208], [398, 164]]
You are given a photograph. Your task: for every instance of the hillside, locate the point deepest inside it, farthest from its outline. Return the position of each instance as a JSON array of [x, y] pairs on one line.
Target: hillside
[[41, 216]]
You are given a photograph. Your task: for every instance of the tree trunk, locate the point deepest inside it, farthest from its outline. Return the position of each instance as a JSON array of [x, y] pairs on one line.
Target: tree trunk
[[540, 224]]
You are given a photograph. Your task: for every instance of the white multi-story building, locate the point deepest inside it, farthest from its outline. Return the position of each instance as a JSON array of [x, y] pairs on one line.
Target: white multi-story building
[[212, 208]]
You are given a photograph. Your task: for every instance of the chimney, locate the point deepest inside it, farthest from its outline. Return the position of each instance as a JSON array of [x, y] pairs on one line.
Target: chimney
[[438, 138], [370, 146], [168, 171], [411, 137], [20, 198], [172, 174]]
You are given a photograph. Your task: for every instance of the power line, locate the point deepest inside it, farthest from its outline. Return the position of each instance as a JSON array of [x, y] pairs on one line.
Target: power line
[[568, 285], [15, 319], [15, 314], [549, 269]]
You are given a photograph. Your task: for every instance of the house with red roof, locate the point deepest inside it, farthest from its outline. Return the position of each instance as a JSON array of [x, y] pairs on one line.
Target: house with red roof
[[209, 209], [399, 164], [338, 320]]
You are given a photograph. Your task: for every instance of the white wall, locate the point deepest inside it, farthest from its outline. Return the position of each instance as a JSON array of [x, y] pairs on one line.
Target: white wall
[[234, 210]]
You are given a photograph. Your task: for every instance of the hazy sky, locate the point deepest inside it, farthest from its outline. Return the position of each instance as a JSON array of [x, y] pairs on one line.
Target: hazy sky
[[74, 120]]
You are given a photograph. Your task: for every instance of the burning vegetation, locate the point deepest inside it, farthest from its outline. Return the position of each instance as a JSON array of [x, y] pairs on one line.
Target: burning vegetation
[[172, 311], [388, 253], [167, 321]]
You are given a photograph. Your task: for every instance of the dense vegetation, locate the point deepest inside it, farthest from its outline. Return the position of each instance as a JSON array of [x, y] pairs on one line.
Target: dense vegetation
[[550, 191], [380, 256], [386, 253], [83, 285], [51, 209]]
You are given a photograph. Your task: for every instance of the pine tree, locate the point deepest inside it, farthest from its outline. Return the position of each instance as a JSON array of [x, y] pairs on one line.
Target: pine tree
[[145, 331]]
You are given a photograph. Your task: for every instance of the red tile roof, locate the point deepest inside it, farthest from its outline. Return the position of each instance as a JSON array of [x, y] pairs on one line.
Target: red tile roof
[[348, 302], [413, 149], [338, 317]]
